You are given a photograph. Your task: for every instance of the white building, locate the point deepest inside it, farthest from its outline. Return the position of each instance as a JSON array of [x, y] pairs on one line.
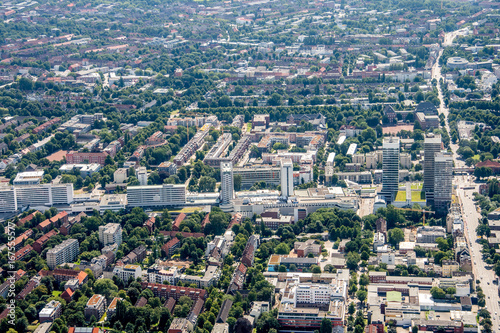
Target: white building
[[171, 275], [142, 176], [35, 195], [110, 233], [66, 252], [286, 167], [227, 183], [113, 202], [127, 271], [120, 175], [156, 195], [28, 178]]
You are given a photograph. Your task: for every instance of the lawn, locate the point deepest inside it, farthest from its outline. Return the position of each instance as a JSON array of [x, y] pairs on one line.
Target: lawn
[[401, 196], [249, 127], [417, 196], [417, 186], [56, 293]]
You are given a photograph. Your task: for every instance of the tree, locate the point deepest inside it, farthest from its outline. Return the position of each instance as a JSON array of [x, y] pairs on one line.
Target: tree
[[482, 172], [282, 248], [237, 182], [361, 295], [315, 269], [326, 326], [105, 287], [437, 292], [352, 308], [275, 100], [396, 236], [352, 260], [243, 325]]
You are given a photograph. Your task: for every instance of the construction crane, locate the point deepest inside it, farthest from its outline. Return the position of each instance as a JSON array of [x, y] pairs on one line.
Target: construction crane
[[418, 210]]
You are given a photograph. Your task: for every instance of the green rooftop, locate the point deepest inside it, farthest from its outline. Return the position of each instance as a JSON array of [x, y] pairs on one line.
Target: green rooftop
[[401, 196], [417, 196], [394, 296]]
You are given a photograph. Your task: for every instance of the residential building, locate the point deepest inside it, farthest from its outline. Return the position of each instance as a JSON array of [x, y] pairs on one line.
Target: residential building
[[156, 195], [303, 249], [50, 312], [112, 306], [169, 247], [390, 166], [96, 306], [166, 291], [65, 252], [110, 233], [120, 176], [86, 158], [180, 325], [449, 266], [128, 271]]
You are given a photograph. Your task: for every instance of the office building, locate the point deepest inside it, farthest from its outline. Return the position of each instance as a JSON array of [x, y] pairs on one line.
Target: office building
[[128, 271], [66, 252], [390, 167], [432, 145], [110, 233], [8, 202], [252, 175], [227, 183], [443, 178], [50, 312], [286, 168], [17, 197], [156, 195], [142, 176], [95, 307]]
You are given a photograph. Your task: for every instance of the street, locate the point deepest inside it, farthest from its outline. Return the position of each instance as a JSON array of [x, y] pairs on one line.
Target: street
[[470, 214]]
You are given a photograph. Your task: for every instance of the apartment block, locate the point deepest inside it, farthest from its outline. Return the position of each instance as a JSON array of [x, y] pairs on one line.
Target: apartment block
[[66, 252], [110, 233], [128, 271], [96, 306], [50, 312]]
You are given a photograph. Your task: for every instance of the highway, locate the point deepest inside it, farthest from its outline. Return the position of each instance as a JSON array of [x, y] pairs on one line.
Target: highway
[[470, 214]]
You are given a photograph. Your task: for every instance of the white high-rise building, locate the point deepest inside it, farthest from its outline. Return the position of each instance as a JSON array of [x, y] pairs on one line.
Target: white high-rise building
[[390, 167], [66, 252], [142, 176], [110, 233], [227, 183], [286, 167]]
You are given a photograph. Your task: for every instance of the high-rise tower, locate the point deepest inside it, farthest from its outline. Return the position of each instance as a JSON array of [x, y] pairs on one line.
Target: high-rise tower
[[390, 167]]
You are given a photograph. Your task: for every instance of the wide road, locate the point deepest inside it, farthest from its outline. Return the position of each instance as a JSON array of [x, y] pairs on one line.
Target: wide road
[[470, 214]]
